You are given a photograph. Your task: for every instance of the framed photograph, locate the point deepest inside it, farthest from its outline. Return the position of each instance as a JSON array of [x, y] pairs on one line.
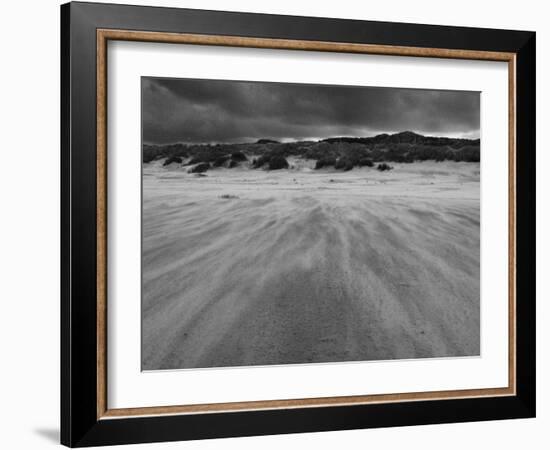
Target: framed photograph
[[276, 224]]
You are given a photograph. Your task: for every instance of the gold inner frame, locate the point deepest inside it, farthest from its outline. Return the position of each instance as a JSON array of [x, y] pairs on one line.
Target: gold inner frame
[[104, 35]]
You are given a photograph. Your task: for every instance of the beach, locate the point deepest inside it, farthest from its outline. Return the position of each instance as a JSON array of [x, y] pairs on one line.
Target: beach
[[244, 267]]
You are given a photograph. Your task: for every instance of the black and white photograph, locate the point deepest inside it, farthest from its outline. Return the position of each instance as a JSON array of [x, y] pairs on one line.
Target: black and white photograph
[[295, 223]]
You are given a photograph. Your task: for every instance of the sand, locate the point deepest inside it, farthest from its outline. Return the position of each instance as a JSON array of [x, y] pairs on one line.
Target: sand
[[303, 266]]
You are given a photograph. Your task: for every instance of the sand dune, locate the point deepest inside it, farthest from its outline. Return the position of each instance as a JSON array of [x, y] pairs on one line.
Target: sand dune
[[301, 266]]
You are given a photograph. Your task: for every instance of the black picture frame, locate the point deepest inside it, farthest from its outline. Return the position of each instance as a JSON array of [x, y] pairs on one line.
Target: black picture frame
[[80, 425]]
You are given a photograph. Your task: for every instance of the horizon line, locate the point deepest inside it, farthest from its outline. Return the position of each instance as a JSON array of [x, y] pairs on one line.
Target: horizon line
[[311, 139]]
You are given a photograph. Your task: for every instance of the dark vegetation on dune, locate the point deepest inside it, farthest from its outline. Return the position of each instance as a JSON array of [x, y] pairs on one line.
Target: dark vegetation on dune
[[342, 153], [345, 163], [172, 159], [383, 167], [199, 168], [277, 162]]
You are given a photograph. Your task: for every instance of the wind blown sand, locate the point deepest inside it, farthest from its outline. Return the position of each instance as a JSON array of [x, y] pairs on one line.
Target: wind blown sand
[[247, 267]]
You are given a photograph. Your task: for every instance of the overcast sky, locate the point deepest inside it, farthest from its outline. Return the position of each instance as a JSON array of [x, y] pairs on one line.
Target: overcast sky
[[190, 110]]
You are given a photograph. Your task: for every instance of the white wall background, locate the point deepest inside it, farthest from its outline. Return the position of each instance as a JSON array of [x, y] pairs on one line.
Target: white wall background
[[29, 225]]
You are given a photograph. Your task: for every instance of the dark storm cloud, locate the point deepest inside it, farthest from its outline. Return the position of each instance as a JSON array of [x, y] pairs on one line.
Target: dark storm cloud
[[189, 110]]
